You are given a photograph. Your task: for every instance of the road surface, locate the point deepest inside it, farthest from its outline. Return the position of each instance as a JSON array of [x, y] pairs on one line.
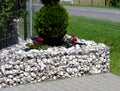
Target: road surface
[[100, 13]]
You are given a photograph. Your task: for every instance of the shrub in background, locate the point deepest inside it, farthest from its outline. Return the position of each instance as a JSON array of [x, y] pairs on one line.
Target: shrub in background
[[114, 3], [118, 5], [51, 22]]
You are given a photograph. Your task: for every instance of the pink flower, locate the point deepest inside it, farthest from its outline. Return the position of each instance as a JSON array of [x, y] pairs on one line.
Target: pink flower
[[40, 39], [35, 42]]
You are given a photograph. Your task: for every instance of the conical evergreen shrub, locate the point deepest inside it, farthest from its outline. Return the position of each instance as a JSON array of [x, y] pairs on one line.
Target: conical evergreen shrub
[[50, 2], [51, 22]]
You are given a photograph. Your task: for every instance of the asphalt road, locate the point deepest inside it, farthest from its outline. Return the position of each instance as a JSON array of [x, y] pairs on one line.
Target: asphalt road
[[100, 13]]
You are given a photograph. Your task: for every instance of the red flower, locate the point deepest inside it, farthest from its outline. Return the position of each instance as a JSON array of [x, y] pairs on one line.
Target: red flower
[[40, 39], [73, 36], [75, 39], [35, 42]]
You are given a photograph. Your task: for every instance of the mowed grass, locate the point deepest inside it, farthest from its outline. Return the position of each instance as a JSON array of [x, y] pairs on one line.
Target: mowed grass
[[100, 31]]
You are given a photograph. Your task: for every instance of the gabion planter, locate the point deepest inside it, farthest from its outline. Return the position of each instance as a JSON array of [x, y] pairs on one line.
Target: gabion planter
[[21, 67]]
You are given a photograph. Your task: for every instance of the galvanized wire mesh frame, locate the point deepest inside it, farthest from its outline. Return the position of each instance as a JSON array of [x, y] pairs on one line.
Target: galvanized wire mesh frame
[[8, 30], [9, 36]]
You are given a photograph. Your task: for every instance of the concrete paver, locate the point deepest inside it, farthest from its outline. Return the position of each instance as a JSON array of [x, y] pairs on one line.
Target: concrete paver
[[100, 82]]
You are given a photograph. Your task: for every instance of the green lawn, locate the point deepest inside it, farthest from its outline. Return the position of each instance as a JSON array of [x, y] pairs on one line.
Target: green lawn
[[102, 31]]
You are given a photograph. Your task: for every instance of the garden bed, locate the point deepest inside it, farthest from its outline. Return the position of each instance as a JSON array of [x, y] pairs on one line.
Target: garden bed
[[18, 66]]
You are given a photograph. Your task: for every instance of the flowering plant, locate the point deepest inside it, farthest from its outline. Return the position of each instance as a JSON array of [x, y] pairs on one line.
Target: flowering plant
[[35, 43], [70, 40], [37, 40]]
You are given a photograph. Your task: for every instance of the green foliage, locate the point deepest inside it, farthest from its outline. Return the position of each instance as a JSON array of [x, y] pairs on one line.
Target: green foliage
[[118, 5], [114, 3], [38, 46], [10, 10], [51, 23], [50, 2]]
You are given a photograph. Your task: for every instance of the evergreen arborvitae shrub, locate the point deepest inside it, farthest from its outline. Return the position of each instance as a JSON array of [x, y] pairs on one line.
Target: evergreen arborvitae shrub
[[50, 2], [50, 23]]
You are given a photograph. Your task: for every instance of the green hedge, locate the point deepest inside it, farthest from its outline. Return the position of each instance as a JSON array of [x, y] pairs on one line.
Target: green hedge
[[114, 3], [11, 9]]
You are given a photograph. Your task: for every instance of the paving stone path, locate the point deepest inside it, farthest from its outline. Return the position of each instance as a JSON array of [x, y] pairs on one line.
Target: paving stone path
[[101, 82]]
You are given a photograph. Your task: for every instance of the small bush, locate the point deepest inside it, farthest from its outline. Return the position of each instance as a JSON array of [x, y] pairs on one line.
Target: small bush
[[50, 2], [50, 23], [118, 5], [114, 2]]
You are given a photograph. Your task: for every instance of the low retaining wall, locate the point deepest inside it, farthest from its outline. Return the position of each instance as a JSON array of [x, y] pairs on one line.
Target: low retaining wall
[[90, 2], [20, 67]]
